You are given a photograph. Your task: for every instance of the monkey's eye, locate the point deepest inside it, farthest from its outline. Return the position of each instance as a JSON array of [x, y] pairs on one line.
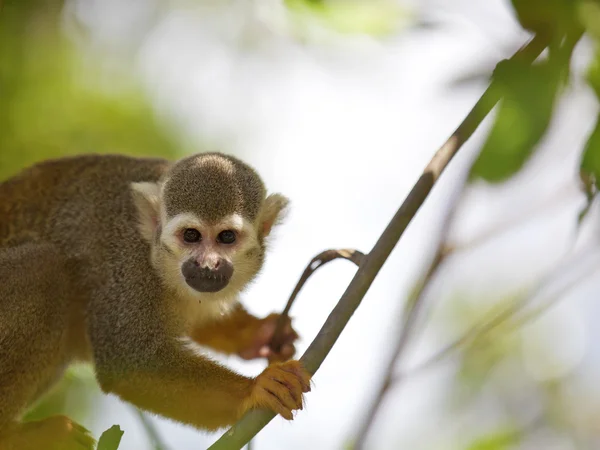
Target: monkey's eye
[[191, 235], [226, 237]]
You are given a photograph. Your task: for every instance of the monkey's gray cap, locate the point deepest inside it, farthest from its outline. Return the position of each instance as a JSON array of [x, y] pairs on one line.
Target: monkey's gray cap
[[213, 186]]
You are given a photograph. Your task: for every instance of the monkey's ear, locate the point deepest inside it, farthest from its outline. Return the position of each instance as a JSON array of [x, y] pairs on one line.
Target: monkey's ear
[[146, 197], [274, 210]]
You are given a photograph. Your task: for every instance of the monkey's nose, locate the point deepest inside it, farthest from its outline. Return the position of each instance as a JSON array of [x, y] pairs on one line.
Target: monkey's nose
[[210, 265], [204, 279]]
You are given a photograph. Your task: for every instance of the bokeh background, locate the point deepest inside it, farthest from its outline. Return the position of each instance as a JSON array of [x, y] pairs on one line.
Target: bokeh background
[[340, 105]]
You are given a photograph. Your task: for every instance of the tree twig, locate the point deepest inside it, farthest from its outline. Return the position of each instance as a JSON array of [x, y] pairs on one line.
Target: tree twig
[[487, 325], [253, 421], [318, 261], [150, 429], [558, 196]]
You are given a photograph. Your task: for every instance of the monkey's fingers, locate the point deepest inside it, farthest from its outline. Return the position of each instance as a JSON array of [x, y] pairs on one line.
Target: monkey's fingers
[[297, 369], [280, 388]]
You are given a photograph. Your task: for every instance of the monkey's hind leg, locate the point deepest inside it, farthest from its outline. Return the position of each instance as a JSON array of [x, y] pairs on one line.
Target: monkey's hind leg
[[36, 297]]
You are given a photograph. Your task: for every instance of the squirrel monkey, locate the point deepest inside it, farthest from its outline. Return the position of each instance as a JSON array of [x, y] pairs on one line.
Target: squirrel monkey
[[127, 263]]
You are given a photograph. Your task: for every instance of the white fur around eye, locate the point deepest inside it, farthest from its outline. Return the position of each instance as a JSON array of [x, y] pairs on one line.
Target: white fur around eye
[[235, 221], [180, 221], [238, 224], [177, 223]]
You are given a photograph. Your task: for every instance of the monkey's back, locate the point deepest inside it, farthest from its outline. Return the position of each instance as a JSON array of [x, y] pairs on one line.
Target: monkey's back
[[81, 204]]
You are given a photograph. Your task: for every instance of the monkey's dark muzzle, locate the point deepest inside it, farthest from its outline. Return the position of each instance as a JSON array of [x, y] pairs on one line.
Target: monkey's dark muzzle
[[203, 279]]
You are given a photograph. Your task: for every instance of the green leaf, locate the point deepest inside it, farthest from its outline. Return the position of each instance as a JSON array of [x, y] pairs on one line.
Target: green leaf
[[589, 168], [549, 17], [528, 95], [501, 440], [593, 74], [111, 438], [590, 162]]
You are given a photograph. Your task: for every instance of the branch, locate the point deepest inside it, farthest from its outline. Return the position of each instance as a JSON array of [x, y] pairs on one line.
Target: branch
[[318, 261], [253, 421]]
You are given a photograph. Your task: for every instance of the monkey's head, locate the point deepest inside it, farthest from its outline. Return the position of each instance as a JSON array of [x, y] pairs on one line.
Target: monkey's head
[[206, 221]]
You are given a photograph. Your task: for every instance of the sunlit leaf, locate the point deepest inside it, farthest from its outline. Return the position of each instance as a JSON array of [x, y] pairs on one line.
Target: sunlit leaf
[[588, 12], [501, 440], [528, 96], [111, 438], [373, 17]]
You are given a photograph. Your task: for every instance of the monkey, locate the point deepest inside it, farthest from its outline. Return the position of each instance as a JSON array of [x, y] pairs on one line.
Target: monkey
[[133, 264]]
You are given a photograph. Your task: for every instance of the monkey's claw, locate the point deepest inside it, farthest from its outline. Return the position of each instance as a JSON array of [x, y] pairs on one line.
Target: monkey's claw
[[280, 387]]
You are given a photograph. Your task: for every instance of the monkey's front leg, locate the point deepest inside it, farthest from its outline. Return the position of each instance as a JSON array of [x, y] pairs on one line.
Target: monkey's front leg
[[247, 336], [176, 383]]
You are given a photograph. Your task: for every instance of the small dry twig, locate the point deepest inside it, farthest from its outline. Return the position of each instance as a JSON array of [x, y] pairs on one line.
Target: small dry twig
[[151, 430], [318, 261]]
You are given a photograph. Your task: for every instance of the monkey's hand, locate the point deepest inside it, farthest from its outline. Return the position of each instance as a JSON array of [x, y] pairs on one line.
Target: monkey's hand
[[247, 336], [263, 331], [279, 388]]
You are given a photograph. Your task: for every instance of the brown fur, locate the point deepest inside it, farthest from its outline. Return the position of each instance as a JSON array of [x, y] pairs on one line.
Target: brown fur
[[40, 334], [71, 247]]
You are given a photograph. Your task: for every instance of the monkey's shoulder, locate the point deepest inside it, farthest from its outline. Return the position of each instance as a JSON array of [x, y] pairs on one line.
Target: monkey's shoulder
[[86, 173]]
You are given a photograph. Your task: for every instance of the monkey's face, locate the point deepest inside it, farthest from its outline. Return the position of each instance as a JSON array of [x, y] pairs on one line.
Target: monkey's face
[[206, 222], [210, 257]]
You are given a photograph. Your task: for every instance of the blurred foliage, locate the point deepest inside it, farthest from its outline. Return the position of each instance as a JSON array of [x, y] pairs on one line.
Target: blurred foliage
[[500, 440], [492, 380], [73, 396], [375, 17], [56, 100], [553, 17], [590, 160], [528, 94], [111, 438], [588, 14]]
